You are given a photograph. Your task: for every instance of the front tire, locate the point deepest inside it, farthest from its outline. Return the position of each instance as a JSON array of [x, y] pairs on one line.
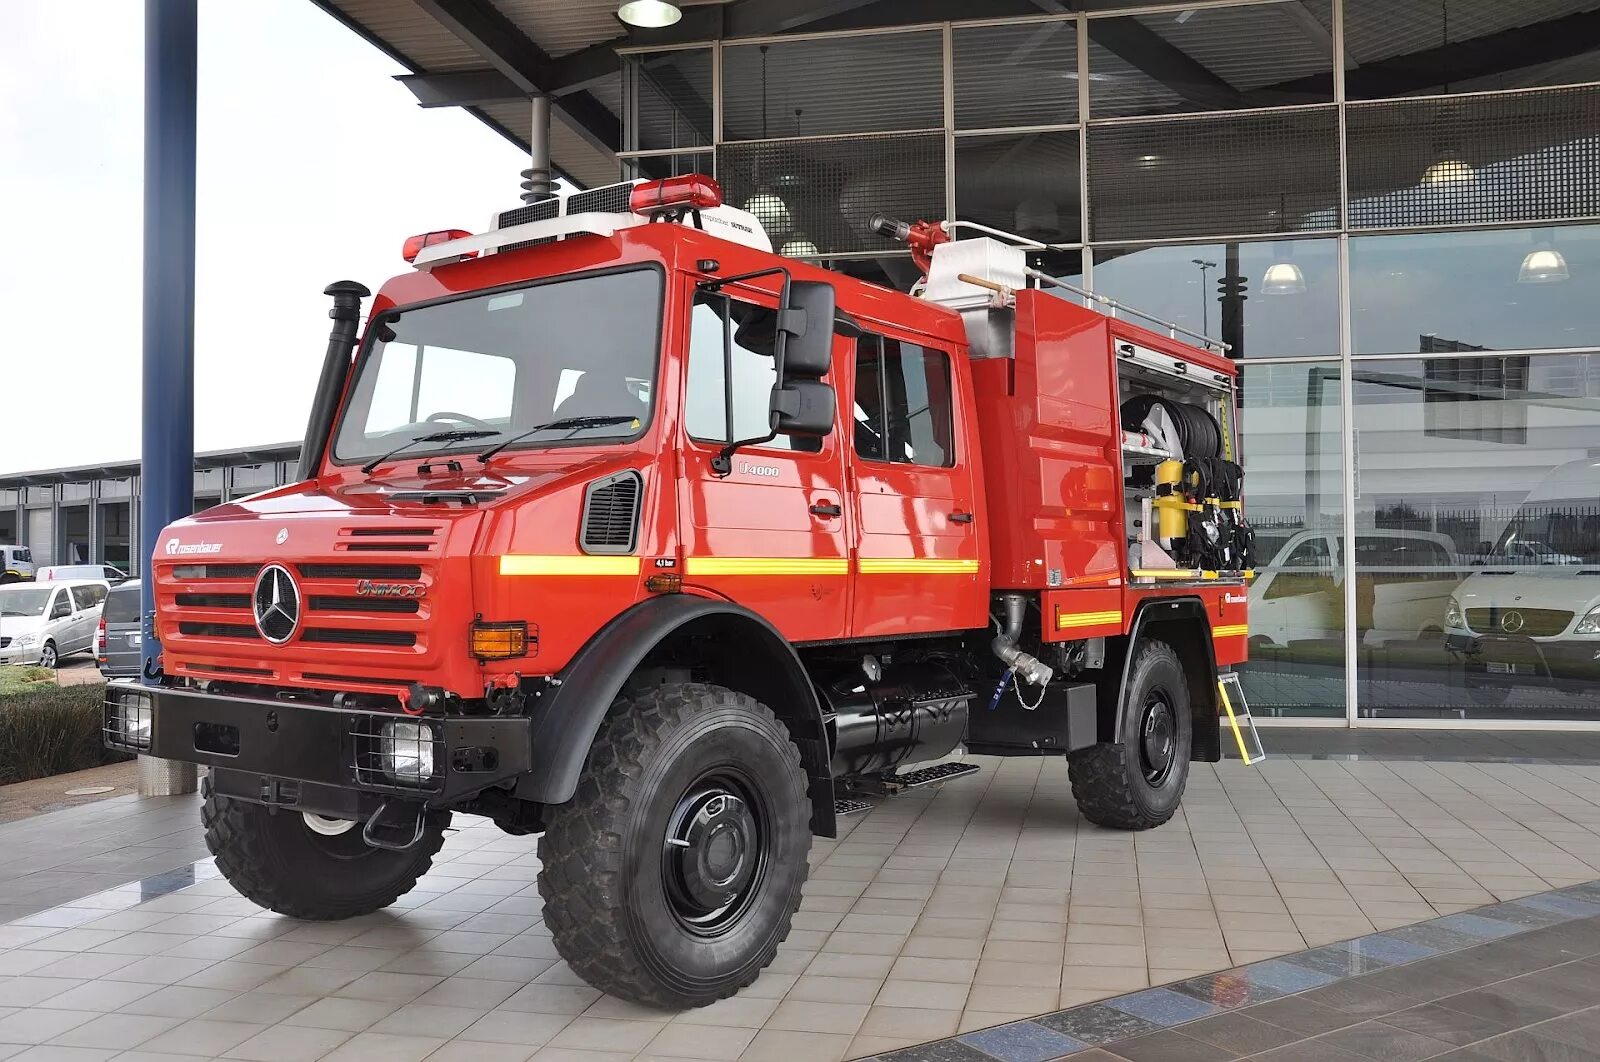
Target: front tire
[[48, 657], [672, 875], [1137, 782], [278, 860]]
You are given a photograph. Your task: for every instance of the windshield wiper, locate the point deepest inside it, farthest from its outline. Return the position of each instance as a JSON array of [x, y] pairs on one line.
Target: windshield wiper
[[575, 423], [452, 435]]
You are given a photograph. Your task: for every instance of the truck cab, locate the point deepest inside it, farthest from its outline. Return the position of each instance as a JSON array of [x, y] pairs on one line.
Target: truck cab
[[619, 529]]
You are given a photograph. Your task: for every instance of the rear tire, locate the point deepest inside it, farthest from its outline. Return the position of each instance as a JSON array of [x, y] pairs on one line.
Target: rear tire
[[1137, 783], [672, 875], [281, 863]]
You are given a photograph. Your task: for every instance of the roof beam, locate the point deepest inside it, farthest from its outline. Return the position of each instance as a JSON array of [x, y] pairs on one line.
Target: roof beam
[[467, 88], [1154, 56], [1496, 53], [508, 50]]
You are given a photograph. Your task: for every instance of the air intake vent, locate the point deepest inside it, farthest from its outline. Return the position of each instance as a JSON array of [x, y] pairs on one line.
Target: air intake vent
[[611, 513]]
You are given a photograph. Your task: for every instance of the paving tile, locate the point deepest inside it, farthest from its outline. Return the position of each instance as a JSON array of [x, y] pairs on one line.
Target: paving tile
[[1097, 1024], [288, 1043], [1239, 1033], [1163, 1007], [1024, 1041]]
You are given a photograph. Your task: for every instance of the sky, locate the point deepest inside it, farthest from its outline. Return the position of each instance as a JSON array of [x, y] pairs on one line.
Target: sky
[[314, 166]]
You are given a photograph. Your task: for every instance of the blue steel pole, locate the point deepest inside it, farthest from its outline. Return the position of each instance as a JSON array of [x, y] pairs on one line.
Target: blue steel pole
[[166, 467]]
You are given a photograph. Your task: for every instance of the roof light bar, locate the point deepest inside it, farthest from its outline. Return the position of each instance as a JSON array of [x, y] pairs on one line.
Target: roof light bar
[[415, 244], [693, 191]]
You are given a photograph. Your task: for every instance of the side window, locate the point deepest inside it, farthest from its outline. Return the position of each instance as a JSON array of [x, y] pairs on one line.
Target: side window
[[88, 596], [903, 403], [1312, 553], [749, 330], [61, 607]]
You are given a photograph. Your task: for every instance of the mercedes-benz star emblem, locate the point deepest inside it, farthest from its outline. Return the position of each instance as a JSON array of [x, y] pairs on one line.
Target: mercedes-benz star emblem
[[276, 604], [283, 535], [1511, 622]]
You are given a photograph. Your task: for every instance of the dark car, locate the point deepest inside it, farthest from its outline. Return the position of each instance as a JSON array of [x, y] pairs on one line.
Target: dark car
[[117, 645]]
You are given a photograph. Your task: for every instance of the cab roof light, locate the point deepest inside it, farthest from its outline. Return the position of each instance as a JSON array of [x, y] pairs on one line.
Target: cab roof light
[[415, 244], [693, 191]]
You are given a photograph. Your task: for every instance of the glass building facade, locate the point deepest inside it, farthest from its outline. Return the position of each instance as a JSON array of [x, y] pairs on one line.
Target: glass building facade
[[1390, 209]]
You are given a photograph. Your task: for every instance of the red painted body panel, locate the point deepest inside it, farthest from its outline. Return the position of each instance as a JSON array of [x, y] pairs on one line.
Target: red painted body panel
[[1036, 464]]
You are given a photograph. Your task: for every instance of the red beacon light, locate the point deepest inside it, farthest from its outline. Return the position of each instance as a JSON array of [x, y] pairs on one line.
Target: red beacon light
[[673, 196], [415, 244]]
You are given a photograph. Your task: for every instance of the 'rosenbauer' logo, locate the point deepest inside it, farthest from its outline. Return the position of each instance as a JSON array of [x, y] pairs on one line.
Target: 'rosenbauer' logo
[[186, 549]]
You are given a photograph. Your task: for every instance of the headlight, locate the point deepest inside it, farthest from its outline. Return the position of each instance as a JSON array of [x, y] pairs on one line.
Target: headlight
[[1590, 624], [128, 718], [405, 752], [1452, 615], [25, 640]]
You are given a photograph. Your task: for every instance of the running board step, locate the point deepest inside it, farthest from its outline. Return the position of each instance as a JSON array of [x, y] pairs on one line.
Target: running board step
[[939, 772], [843, 806]]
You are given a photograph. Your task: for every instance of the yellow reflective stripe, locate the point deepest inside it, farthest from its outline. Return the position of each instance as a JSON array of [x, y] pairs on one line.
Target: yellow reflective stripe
[[536, 564], [1233, 720], [915, 566], [1087, 619], [767, 566], [1231, 631]]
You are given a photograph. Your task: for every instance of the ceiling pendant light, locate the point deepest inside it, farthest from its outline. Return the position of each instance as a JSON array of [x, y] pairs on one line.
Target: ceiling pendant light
[[1283, 278], [649, 14], [1448, 171], [1544, 264], [799, 246]]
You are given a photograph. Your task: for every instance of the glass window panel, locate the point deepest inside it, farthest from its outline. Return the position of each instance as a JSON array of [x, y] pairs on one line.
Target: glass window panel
[[1290, 425], [672, 95], [655, 167], [1211, 59], [1290, 304], [1525, 156], [1484, 290], [1400, 49], [9, 499], [117, 487], [1477, 553], [1268, 172], [76, 491], [866, 83], [989, 62], [1026, 183], [706, 411]]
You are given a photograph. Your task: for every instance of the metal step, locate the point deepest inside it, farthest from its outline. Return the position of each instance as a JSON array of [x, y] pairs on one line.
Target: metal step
[[939, 772], [843, 806]]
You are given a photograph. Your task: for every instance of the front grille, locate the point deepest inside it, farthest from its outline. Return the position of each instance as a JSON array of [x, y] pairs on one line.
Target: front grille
[[611, 513], [386, 547], [4, 642], [403, 573], [391, 532], [335, 603], [1535, 622], [341, 636], [218, 630], [214, 600], [216, 571]]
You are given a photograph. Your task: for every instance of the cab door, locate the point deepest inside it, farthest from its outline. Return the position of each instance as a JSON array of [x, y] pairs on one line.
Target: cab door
[[918, 547], [770, 534]]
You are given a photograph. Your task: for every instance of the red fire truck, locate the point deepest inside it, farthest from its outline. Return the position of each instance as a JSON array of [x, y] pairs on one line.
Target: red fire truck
[[615, 527]]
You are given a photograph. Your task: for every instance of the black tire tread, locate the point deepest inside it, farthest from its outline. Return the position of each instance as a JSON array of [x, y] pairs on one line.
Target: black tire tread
[[243, 856], [581, 857], [1101, 774]]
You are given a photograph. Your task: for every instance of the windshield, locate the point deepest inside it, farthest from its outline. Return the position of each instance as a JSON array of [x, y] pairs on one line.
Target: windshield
[[1554, 531], [504, 362], [24, 600]]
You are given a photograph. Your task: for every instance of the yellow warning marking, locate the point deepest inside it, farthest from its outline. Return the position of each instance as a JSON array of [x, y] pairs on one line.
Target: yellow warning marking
[[915, 566], [767, 566], [1087, 619], [534, 564], [1232, 630], [1233, 721]]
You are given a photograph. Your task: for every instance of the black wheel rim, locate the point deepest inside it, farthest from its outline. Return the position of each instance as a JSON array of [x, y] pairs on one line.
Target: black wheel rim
[[1158, 737], [714, 859]]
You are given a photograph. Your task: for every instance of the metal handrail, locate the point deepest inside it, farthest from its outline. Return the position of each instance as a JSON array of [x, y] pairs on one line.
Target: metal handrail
[[1173, 329]]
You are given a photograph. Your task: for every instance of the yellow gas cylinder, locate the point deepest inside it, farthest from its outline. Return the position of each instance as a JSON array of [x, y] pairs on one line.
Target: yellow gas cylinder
[[1173, 519]]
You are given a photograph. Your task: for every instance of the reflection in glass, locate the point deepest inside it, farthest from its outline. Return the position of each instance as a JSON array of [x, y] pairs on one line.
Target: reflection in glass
[[1289, 431], [672, 93], [1483, 290], [1477, 567], [1274, 298], [1025, 183]]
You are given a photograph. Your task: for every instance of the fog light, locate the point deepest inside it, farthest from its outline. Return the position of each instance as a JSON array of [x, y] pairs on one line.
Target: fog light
[[498, 641], [128, 719], [405, 752]]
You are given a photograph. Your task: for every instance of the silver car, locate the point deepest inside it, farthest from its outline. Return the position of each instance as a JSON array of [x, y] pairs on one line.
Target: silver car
[[42, 622]]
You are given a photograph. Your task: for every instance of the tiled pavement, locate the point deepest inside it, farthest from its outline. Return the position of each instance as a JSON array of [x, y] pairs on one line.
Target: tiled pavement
[[940, 912]]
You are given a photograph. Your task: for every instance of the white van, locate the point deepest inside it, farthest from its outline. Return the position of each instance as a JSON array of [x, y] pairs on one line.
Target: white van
[[1531, 616], [42, 622], [1404, 582], [16, 564]]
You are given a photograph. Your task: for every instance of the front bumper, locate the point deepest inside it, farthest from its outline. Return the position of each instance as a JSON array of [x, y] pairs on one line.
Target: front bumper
[[315, 746], [1508, 658], [17, 654]]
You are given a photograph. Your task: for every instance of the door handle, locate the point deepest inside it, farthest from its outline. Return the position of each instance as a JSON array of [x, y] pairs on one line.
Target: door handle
[[960, 518], [826, 509]]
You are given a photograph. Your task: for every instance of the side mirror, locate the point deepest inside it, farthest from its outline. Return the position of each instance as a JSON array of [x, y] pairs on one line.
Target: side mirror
[[803, 407], [808, 324]]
